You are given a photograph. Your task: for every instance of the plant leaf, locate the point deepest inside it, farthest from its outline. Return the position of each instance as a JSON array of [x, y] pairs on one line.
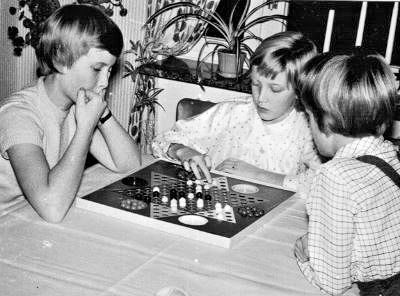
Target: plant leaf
[[260, 20], [243, 17], [167, 8], [255, 9]]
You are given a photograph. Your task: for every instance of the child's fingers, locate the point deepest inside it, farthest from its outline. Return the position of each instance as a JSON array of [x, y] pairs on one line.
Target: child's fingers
[[80, 96], [300, 249], [195, 170], [93, 96], [207, 160], [186, 165]]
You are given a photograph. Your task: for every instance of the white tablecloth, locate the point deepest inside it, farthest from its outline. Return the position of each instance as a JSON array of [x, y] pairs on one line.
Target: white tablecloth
[[91, 254]]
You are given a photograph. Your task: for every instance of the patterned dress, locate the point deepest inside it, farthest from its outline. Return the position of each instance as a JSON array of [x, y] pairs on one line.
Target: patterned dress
[[233, 129]]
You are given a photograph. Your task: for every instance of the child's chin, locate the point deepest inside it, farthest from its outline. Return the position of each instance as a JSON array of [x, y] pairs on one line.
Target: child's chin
[[266, 116]]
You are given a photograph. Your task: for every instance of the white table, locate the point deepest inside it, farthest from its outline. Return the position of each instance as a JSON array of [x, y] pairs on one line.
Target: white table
[[91, 254]]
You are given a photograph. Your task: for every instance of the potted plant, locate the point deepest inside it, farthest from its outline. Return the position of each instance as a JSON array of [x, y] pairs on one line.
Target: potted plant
[[232, 49]]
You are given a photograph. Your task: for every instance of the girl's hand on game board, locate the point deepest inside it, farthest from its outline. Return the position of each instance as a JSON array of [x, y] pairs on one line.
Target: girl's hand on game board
[[241, 168], [301, 249], [194, 161]]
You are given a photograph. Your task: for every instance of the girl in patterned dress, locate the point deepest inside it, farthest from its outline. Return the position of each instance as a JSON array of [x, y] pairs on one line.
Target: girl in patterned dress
[[264, 137]]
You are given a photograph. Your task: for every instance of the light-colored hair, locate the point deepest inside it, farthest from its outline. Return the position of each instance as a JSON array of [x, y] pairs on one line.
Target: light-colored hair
[[283, 52], [352, 95], [71, 31]]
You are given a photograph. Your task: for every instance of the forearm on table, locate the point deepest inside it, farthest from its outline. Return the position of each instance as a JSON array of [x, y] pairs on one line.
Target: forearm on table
[[63, 180], [122, 153], [270, 177]]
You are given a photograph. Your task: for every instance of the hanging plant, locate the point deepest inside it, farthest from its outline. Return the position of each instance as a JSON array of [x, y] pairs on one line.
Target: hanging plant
[[142, 114], [39, 10], [107, 6], [33, 12]]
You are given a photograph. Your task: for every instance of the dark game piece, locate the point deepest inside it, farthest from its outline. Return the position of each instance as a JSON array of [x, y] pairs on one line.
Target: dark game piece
[[134, 181], [181, 174]]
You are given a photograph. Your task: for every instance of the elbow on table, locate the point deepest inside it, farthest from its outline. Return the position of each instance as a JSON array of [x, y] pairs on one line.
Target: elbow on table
[[51, 209], [53, 215]]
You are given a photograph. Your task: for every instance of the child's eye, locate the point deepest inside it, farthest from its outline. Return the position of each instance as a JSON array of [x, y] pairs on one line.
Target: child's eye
[[277, 88], [96, 69]]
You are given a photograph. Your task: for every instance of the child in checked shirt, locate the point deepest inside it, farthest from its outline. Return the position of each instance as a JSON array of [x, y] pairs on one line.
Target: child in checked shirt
[[353, 206]]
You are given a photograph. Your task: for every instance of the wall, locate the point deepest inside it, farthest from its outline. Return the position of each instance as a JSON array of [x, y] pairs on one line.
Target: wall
[[17, 72], [175, 90]]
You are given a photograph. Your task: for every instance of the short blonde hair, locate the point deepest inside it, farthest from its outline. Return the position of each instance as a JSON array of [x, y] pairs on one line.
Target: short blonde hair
[[283, 52], [352, 95], [71, 31]]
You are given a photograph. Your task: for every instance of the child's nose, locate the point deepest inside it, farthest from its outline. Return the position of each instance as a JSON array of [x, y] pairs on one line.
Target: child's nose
[[263, 97], [102, 82]]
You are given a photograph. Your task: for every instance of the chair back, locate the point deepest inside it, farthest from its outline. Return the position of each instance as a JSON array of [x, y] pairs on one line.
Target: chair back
[[188, 107]]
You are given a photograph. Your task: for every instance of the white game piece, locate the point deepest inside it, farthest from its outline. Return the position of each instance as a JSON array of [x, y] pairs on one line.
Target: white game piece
[[174, 209], [198, 182], [190, 195], [164, 199], [200, 203], [156, 188], [189, 182], [227, 208], [182, 202], [207, 186], [174, 203], [218, 207], [220, 216], [198, 188]]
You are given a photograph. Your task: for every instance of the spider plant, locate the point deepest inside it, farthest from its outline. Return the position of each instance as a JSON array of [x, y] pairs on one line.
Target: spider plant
[[233, 35], [141, 120]]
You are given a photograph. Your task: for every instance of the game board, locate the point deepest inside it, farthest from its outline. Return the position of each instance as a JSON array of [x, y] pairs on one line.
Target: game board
[[164, 196]]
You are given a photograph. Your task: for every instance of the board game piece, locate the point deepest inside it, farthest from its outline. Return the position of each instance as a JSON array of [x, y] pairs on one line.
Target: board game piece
[[200, 203], [134, 181], [213, 214]]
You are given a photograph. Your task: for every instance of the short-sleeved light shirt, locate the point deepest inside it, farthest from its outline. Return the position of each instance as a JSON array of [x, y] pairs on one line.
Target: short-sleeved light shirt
[[29, 116]]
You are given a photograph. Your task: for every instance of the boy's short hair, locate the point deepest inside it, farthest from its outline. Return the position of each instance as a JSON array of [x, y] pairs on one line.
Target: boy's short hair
[[283, 52], [71, 31], [352, 95]]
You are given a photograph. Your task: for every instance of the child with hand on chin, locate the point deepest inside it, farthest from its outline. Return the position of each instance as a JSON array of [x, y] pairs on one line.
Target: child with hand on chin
[[354, 200], [46, 130], [264, 137]]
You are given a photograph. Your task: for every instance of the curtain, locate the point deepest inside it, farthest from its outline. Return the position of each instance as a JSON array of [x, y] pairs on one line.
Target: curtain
[[180, 38]]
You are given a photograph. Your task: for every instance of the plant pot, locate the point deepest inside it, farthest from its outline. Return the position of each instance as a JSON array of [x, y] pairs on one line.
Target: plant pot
[[227, 66]]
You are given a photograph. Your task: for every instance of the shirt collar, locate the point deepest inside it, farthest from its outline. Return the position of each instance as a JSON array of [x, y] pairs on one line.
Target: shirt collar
[[370, 145], [58, 114]]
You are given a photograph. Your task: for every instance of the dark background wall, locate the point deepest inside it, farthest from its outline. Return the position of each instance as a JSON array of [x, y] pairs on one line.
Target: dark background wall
[[310, 17]]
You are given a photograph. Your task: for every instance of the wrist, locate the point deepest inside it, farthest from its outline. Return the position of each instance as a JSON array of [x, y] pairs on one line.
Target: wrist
[[106, 116]]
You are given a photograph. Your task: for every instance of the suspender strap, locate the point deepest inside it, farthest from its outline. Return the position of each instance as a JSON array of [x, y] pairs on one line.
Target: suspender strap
[[386, 168]]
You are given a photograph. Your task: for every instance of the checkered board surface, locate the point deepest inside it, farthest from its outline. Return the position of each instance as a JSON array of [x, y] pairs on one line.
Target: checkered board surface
[[219, 192], [133, 199]]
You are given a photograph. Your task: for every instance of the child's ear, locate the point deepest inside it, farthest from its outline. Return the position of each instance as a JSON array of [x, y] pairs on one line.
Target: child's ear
[[62, 69], [326, 129]]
